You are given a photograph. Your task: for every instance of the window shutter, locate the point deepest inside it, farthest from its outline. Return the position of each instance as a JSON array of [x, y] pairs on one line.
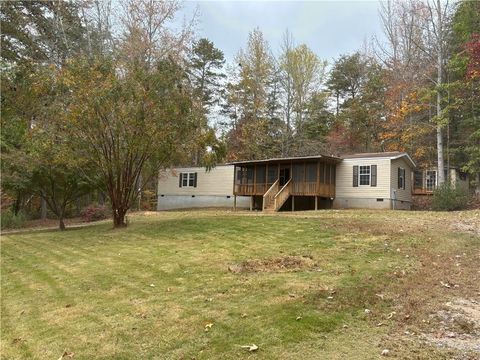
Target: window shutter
[[404, 178], [180, 180], [399, 182], [355, 176], [373, 172], [195, 180]]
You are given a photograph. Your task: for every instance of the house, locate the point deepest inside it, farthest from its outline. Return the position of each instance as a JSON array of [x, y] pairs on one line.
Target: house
[[369, 180]]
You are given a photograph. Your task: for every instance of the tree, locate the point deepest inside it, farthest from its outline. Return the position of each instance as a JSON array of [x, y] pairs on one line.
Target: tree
[[254, 133], [463, 88], [205, 64], [128, 120], [55, 172], [346, 78], [44, 31], [438, 31], [302, 73], [35, 34], [205, 68]]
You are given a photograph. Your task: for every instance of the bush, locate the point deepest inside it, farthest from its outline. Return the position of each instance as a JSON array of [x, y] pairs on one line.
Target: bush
[[94, 212], [449, 198], [8, 220]]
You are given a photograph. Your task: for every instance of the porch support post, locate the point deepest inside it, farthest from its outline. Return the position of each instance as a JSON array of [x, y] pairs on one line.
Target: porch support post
[[316, 202], [293, 202], [251, 203], [234, 202]]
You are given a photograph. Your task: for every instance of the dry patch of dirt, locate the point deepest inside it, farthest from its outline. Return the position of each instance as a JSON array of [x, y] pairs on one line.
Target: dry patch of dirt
[[458, 326], [472, 226], [277, 264]]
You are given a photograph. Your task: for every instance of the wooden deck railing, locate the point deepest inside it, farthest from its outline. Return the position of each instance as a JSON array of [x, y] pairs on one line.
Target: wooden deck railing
[[282, 195], [313, 189], [421, 191], [297, 189], [269, 196]]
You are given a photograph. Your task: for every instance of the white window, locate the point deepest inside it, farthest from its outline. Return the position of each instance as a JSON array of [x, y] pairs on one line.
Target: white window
[[188, 179], [364, 175], [431, 180], [401, 178]]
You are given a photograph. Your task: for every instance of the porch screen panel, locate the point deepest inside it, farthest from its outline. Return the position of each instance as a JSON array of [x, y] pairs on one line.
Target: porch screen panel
[[322, 172], [250, 175], [311, 175], [238, 175], [272, 173], [298, 173], [327, 174], [261, 174]]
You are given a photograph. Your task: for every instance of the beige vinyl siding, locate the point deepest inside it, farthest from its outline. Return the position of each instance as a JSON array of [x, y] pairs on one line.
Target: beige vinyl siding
[[218, 181], [344, 179], [404, 195]]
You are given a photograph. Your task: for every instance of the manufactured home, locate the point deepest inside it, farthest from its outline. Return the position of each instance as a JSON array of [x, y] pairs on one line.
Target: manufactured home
[[369, 180]]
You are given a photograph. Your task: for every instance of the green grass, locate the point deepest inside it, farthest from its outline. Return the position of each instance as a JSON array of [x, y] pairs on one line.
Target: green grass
[[88, 291]]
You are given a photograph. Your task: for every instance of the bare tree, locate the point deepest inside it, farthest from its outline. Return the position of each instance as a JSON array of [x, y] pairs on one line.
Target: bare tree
[[417, 36], [438, 32], [148, 33], [287, 86]]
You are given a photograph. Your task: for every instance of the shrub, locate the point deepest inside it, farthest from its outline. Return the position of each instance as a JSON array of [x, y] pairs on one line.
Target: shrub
[[94, 212], [9, 220], [449, 198]]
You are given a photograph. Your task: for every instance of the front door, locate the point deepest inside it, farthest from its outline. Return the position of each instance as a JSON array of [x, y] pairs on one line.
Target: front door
[[284, 175]]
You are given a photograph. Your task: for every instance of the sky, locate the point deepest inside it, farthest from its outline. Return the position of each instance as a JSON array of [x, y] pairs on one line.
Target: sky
[[329, 28]]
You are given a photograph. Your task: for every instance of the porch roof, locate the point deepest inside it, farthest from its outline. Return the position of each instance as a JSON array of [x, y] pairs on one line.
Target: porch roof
[[287, 159]]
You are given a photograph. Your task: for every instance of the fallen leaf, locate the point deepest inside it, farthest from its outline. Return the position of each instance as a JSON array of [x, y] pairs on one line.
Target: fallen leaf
[[208, 326], [298, 318], [385, 352], [391, 315], [252, 347]]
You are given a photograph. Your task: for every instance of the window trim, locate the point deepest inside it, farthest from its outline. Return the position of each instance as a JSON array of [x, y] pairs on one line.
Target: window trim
[[435, 178], [188, 177], [369, 175]]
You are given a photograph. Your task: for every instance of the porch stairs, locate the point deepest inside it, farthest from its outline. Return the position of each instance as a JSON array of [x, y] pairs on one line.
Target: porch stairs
[[276, 196]]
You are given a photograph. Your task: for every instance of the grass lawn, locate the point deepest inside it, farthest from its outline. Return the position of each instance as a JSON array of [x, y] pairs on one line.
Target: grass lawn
[[200, 284]]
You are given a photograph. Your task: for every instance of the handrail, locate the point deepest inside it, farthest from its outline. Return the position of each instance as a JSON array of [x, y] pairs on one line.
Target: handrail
[[284, 186], [282, 195], [269, 195], [270, 189]]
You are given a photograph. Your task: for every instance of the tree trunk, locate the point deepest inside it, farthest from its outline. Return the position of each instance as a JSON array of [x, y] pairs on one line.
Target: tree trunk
[[119, 218], [61, 224], [441, 166], [43, 209]]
